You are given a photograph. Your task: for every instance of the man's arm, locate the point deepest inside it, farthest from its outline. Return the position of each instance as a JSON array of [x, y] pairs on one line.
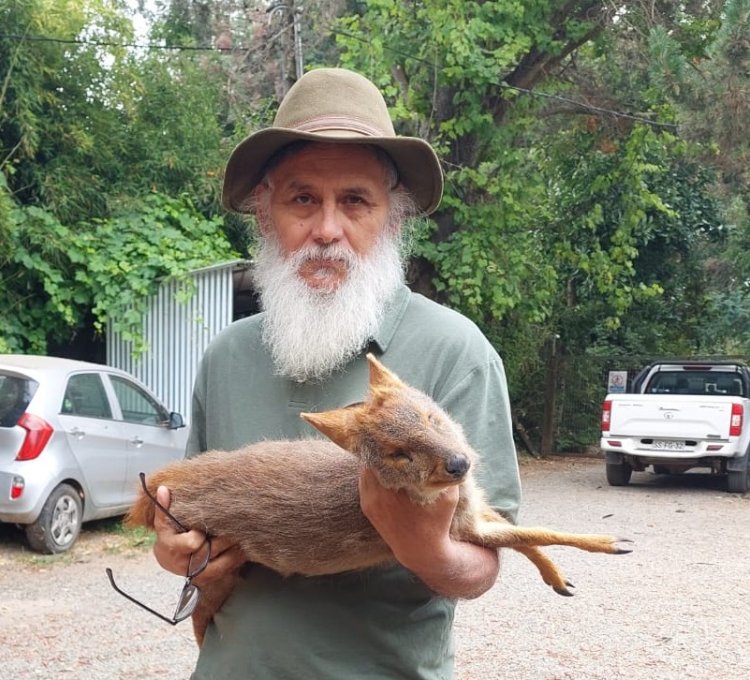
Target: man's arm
[[419, 538]]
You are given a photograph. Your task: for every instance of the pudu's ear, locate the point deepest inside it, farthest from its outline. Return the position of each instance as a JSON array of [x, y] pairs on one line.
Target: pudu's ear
[[380, 376], [344, 425], [341, 425]]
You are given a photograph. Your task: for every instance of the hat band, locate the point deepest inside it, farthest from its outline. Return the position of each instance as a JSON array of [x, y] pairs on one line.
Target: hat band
[[340, 123]]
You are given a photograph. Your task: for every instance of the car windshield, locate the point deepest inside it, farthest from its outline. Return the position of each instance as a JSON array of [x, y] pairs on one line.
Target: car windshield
[[15, 394], [696, 382]]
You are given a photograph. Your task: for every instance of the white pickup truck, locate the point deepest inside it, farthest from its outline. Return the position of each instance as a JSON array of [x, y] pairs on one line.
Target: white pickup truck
[[681, 415]]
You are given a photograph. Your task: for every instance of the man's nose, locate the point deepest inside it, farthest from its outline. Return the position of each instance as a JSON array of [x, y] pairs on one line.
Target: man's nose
[[329, 224]]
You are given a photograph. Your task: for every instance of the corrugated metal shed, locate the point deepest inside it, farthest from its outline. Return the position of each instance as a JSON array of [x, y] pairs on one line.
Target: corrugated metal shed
[[177, 332]]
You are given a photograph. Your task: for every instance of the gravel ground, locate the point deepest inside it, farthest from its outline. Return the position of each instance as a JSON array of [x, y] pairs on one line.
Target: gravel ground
[[677, 607]]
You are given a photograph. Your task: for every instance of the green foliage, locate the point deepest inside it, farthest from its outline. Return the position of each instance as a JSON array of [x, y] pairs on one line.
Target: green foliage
[[84, 125], [122, 260], [492, 263], [34, 280], [607, 213], [55, 274], [94, 140], [558, 222], [454, 59]]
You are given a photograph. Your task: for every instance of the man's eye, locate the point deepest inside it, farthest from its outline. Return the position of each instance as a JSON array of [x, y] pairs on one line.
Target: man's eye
[[400, 455], [303, 199], [353, 199]]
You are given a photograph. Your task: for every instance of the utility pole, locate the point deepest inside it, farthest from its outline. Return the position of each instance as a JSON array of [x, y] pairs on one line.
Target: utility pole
[[290, 39], [297, 21]]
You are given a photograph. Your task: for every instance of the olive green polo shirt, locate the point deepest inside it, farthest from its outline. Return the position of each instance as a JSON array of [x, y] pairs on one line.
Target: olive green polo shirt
[[382, 623]]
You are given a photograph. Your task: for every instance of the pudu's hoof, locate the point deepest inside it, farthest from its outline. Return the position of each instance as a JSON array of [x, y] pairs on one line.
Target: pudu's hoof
[[564, 590], [620, 550]]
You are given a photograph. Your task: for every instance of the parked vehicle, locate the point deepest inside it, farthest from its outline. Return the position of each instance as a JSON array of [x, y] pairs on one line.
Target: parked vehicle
[[73, 438], [681, 415]]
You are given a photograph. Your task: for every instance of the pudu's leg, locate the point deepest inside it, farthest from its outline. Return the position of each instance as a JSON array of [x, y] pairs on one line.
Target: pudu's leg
[[548, 569], [499, 534], [494, 531], [212, 597]]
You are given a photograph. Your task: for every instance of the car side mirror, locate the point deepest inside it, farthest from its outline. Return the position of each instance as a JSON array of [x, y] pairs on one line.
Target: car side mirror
[[175, 421]]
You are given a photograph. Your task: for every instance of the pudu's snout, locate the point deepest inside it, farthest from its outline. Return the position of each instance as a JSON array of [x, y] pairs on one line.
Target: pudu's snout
[[457, 466]]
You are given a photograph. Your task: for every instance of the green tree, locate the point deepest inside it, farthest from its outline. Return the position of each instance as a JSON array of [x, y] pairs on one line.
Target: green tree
[[95, 137], [52, 276], [711, 90]]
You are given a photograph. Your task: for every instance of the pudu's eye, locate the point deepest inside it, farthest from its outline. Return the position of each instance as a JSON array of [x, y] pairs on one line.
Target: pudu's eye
[[400, 455]]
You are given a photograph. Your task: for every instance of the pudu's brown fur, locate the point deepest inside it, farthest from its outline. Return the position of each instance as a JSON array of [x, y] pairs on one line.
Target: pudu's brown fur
[[293, 506]]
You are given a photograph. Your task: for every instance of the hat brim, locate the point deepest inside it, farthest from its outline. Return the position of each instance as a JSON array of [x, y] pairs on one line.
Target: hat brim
[[417, 163]]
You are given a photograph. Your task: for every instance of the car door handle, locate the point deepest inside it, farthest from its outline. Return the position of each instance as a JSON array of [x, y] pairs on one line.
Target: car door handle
[[77, 432], [137, 442]]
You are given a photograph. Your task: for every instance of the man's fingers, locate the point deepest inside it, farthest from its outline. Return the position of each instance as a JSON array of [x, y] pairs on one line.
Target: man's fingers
[[164, 496], [173, 549], [220, 565], [161, 521], [220, 544]]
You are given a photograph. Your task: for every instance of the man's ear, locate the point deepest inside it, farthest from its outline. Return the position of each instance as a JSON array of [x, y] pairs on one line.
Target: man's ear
[[342, 425], [261, 200]]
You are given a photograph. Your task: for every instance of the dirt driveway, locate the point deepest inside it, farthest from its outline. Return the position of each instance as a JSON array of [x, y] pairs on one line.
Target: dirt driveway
[[676, 608]]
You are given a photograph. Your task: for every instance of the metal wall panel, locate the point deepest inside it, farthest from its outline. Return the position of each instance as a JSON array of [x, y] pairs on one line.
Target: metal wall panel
[[177, 334]]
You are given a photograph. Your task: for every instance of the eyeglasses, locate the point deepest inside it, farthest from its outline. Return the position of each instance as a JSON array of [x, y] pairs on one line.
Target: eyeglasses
[[190, 592]]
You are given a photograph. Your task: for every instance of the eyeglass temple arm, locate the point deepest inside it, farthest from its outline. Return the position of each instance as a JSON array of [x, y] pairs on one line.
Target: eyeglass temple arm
[[138, 602], [153, 499]]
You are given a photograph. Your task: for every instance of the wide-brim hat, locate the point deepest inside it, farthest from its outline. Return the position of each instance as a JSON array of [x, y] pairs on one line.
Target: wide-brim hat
[[333, 105]]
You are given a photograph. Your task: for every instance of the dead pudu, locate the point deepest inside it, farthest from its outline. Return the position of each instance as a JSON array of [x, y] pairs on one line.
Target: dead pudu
[[293, 506]]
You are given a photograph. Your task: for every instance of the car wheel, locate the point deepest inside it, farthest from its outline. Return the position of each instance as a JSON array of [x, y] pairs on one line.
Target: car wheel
[[59, 523], [618, 474], [738, 481]]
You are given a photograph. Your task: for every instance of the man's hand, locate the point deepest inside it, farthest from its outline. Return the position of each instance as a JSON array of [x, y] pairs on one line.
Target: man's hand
[[419, 536], [173, 549]]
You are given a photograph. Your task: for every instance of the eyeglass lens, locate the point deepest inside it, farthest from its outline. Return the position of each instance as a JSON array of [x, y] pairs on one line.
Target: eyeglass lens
[[188, 600]]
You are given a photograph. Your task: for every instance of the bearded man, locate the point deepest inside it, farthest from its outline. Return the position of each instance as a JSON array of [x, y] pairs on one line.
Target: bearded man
[[330, 185]]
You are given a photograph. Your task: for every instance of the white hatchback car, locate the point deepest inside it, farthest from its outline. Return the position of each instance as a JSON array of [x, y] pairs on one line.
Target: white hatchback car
[[73, 438]]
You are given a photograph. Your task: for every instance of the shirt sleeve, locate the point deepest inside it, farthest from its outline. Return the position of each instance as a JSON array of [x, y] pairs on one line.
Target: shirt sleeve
[[196, 443], [480, 403]]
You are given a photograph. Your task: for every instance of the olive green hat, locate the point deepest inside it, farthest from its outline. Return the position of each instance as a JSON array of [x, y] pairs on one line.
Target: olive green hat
[[333, 105]]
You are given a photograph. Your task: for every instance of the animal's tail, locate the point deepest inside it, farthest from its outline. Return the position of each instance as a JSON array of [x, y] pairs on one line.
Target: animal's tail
[[143, 511]]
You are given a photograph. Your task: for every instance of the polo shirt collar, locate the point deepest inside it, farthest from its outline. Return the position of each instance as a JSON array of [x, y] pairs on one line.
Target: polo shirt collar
[[394, 312]]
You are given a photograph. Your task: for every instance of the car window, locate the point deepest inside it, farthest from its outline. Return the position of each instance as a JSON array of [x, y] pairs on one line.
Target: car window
[[85, 396], [15, 395], [136, 405]]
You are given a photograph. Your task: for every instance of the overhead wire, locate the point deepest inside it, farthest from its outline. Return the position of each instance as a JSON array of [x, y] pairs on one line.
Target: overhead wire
[[247, 50]]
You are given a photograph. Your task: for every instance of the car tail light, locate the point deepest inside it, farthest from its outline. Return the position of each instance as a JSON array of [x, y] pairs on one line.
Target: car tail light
[[606, 415], [38, 432], [735, 424]]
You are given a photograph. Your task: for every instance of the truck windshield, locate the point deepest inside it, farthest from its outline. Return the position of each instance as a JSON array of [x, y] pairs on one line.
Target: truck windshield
[[695, 382]]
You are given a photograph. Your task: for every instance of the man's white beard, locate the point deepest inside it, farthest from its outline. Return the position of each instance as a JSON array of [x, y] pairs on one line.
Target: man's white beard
[[312, 332]]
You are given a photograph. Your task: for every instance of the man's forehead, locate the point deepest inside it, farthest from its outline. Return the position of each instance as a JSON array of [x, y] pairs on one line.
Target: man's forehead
[[346, 164], [347, 184]]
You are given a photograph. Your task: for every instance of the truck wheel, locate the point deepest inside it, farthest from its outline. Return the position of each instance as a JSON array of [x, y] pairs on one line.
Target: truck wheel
[[618, 474], [59, 523], [738, 481]]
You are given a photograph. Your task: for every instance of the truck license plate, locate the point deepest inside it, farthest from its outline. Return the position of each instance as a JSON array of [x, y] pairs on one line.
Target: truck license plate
[[668, 444]]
